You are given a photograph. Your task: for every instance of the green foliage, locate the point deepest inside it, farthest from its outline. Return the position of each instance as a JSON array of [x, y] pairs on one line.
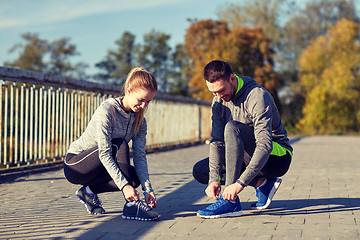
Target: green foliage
[[154, 55], [329, 73], [257, 38], [291, 30], [48, 57], [119, 62], [170, 68], [31, 53], [309, 23], [181, 72]]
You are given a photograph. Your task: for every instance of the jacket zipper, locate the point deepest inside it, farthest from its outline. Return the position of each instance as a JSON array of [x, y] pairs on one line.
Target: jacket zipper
[[127, 127]]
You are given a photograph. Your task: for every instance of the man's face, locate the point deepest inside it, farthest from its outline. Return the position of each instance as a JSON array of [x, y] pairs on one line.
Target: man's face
[[225, 90]]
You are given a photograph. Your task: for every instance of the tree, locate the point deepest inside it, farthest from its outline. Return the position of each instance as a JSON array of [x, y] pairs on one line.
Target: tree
[[305, 25], [118, 62], [246, 50], [180, 74], [252, 56], [171, 69], [291, 29], [31, 53], [330, 76], [256, 13], [48, 57], [205, 41], [61, 51], [309, 23], [154, 56]]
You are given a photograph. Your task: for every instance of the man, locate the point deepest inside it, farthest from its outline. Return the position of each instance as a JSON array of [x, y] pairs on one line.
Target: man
[[249, 144]]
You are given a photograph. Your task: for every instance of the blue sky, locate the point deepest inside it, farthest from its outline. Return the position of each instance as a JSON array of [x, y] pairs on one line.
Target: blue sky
[[94, 26]]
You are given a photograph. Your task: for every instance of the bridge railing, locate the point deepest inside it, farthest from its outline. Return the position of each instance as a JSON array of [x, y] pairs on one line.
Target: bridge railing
[[40, 115]]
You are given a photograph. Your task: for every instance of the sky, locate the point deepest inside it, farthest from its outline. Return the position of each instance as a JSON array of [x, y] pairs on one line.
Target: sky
[[94, 25]]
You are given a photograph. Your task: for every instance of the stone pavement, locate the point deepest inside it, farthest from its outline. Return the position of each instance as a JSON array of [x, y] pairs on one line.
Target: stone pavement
[[318, 199]]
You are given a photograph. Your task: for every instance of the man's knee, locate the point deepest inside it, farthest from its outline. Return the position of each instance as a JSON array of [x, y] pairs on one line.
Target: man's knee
[[201, 171], [236, 126], [231, 127]]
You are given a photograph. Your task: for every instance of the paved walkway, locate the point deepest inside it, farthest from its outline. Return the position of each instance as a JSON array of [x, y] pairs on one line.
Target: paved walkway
[[318, 199]]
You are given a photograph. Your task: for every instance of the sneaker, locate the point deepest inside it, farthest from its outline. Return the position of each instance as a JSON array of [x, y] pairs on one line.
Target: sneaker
[[90, 200], [138, 210], [221, 208], [266, 192]]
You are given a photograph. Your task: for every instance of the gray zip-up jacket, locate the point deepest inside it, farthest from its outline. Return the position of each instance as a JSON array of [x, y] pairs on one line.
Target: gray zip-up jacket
[[108, 122], [254, 106]]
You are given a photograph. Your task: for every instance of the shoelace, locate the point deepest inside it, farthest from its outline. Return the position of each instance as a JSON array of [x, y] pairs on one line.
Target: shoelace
[[141, 205], [218, 203], [95, 199]]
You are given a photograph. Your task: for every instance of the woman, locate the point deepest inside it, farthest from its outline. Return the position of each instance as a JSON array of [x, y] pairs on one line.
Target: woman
[[99, 160]]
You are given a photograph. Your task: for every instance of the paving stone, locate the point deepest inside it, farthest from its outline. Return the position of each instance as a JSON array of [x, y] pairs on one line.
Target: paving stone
[[319, 198]]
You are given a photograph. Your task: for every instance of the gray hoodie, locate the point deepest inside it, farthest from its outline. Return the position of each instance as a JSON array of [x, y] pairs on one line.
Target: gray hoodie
[[254, 106], [108, 122]]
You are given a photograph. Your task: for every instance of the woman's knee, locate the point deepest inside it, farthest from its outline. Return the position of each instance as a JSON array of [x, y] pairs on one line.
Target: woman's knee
[[119, 143], [72, 175], [120, 150]]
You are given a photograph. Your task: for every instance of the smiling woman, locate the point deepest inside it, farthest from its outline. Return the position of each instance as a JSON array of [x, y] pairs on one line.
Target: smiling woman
[[139, 89], [99, 160]]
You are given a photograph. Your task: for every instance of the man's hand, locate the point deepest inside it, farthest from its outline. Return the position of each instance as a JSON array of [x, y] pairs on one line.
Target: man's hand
[[213, 190], [231, 191]]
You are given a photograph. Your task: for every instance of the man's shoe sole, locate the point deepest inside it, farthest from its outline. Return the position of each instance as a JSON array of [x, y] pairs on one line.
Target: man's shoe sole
[[224, 215], [271, 195]]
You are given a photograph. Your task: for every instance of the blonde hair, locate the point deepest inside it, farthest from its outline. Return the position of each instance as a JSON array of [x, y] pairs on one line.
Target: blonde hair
[[140, 78]]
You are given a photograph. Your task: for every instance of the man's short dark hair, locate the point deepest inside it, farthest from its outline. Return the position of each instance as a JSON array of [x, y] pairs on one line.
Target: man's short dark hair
[[217, 69]]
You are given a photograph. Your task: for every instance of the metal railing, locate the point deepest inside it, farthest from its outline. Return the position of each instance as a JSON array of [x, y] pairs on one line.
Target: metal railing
[[40, 115]]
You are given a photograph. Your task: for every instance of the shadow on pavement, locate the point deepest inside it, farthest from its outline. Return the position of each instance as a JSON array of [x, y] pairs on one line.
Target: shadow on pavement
[[14, 176], [177, 204], [312, 206]]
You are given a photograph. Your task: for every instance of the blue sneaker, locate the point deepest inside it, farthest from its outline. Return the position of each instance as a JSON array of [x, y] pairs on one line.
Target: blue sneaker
[[221, 208], [266, 192]]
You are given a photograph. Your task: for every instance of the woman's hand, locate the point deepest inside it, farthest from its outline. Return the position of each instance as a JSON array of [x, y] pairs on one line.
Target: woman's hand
[[150, 199], [130, 193]]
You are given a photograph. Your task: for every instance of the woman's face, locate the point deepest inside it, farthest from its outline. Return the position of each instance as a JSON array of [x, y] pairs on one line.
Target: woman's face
[[138, 99]]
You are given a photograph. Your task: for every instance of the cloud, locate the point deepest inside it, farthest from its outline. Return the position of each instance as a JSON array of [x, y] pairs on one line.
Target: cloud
[[24, 12]]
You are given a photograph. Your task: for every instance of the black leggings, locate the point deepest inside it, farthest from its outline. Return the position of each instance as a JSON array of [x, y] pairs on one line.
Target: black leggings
[[86, 168]]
